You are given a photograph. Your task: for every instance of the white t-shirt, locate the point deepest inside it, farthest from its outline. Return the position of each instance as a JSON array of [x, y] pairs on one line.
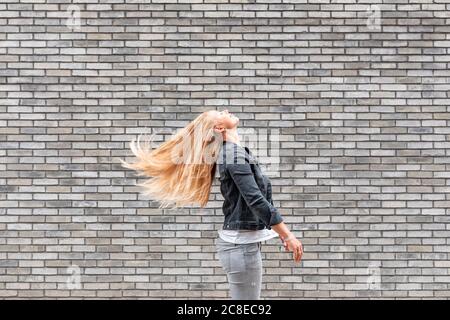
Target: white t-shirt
[[247, 236]]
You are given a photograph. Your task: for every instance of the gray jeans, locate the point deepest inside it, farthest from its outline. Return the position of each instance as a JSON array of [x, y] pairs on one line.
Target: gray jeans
[[243, 265]]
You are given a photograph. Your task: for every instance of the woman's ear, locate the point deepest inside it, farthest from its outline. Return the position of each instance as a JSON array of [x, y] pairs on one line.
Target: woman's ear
[[219, 129]]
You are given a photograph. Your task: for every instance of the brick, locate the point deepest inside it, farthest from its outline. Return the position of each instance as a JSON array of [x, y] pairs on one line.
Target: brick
[[363, 123]]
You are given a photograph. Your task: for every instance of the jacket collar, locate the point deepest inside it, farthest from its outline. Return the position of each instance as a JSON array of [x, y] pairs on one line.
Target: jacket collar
[[251, 156], [239, 146]]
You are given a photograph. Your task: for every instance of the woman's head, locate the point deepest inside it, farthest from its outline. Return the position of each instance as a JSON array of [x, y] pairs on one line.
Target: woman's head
[[181, 170], [224, 120]]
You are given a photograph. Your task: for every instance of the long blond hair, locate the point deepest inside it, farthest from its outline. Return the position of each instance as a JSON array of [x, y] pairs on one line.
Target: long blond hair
[[181, 170]]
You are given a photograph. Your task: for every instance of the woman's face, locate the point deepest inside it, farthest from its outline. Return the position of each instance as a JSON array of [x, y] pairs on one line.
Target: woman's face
[[225, 119]]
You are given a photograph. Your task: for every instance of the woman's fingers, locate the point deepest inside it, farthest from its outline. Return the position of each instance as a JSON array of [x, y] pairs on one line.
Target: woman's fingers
[[296, 248], [298, 252]]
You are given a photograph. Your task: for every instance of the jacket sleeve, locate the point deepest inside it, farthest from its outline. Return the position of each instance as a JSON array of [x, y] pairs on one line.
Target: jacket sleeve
[[242, 175]]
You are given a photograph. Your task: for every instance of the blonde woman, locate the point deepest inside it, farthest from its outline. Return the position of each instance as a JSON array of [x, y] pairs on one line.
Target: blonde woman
[[181, 172]]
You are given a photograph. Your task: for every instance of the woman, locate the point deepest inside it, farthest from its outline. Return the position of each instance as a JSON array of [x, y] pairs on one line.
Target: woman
[[181, 172]]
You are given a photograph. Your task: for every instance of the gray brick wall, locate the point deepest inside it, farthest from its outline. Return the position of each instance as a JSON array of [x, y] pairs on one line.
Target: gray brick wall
[[361, 105]]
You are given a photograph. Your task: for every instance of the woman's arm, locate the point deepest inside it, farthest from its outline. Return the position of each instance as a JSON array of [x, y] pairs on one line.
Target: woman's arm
[[241, 173]]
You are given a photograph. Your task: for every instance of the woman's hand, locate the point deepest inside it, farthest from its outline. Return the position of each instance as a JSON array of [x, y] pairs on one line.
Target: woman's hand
[[289, 240], [294, 245]]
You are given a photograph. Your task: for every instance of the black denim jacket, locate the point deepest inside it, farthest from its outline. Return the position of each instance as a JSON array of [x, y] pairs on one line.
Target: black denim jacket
[[247, 191]]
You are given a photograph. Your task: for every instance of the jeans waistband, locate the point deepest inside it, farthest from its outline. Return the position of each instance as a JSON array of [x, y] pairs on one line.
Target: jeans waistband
[[222, 243]]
